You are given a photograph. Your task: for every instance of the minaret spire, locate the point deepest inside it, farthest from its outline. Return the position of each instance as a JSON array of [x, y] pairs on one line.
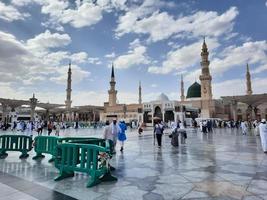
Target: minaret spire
[[248, 77], [140, 93], [68, 90], [207, 110], [182, 89], [205, 77], [112, 71], [112, 92]]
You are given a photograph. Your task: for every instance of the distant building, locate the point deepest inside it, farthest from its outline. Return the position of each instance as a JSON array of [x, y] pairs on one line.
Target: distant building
[[242, 107], [167, 110], [127, 112]]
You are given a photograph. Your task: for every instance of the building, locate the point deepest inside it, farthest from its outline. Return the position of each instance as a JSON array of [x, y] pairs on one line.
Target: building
[[112, 109], [243, 107], [168, 110]]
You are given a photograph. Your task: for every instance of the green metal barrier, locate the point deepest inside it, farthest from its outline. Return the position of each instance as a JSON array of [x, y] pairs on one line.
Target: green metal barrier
[[45, 144], [88, 158], [20, 143], [71, 139]]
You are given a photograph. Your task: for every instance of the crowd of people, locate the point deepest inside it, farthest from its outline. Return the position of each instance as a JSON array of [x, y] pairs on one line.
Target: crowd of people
[[30, 126], [117, 130]]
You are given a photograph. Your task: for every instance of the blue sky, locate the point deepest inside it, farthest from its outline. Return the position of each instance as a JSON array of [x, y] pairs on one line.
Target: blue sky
[[152, 41]]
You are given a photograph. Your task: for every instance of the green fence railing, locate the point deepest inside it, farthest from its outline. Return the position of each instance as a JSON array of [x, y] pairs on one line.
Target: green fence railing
[[87, 158], [21, 143], [45, 144]]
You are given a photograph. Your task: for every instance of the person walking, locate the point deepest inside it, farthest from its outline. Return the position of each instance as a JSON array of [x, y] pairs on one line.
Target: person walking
[[140, 128], [263, 135], [39, 128], [57, 129], [49, 127], [182, 133], [14, 126], [29, 128], [122, 135], [175, 137], [244, 127], [158, 131], [115, 129]]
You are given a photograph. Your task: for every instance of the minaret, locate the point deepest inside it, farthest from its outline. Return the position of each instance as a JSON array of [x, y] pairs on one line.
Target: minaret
[[207, 107], [182, 89], [112, 92], [205, 77], [249, 89], [140, 93], [68, 90]]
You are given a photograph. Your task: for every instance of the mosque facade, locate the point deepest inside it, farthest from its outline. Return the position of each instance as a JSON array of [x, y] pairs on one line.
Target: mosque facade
[[242, 107]]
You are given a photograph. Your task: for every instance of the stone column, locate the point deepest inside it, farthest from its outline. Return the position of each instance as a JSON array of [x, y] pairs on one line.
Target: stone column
[[255, 113], [33, 104], [47, 115], [4, 109], [175, 117], [249, 113], [234, 109]]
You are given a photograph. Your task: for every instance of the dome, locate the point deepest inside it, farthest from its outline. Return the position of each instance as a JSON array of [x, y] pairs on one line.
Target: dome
[[162, 97], [194, 91]]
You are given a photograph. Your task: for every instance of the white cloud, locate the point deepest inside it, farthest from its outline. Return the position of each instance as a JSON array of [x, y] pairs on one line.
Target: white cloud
[[48, 40], [10, 13], [20, 3], [259, 69], [253, 53], [78, 74], [80, 57], [86, 15], [135, 56], [32, 61], [111, 55], [61, 12], [161, 25], [225, 88], [182, 58], [95, 61]]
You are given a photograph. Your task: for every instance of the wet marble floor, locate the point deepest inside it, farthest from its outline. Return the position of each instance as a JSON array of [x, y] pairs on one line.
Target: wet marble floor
[[221, 165]]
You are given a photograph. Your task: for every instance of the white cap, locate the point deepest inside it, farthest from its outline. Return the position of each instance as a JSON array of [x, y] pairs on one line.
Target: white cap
[[263, 120]]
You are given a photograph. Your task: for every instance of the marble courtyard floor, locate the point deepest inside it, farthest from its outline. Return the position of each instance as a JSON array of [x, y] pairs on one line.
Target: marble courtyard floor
[[221, 165]]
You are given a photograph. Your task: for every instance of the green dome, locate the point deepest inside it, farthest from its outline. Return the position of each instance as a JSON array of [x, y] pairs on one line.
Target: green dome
[[194, 91]]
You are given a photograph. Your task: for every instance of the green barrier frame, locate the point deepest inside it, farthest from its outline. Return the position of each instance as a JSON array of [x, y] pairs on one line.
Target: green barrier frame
[[20, 143], [71, 139], [45, 144], [87, 158]]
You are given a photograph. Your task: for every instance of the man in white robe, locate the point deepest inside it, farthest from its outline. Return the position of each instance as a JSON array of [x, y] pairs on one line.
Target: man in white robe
[[114, 129], [244, 127], [263, 134]]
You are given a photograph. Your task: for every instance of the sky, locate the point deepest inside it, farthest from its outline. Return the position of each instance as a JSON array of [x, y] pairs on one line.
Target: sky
[[152, 41]]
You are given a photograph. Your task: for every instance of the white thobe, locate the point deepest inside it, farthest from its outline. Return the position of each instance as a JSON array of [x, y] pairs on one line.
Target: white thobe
[[263, 135], [243, 127]]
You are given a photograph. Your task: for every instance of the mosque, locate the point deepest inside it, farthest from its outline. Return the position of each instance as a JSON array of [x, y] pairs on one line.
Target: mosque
[[243, 107], [198, 102]]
